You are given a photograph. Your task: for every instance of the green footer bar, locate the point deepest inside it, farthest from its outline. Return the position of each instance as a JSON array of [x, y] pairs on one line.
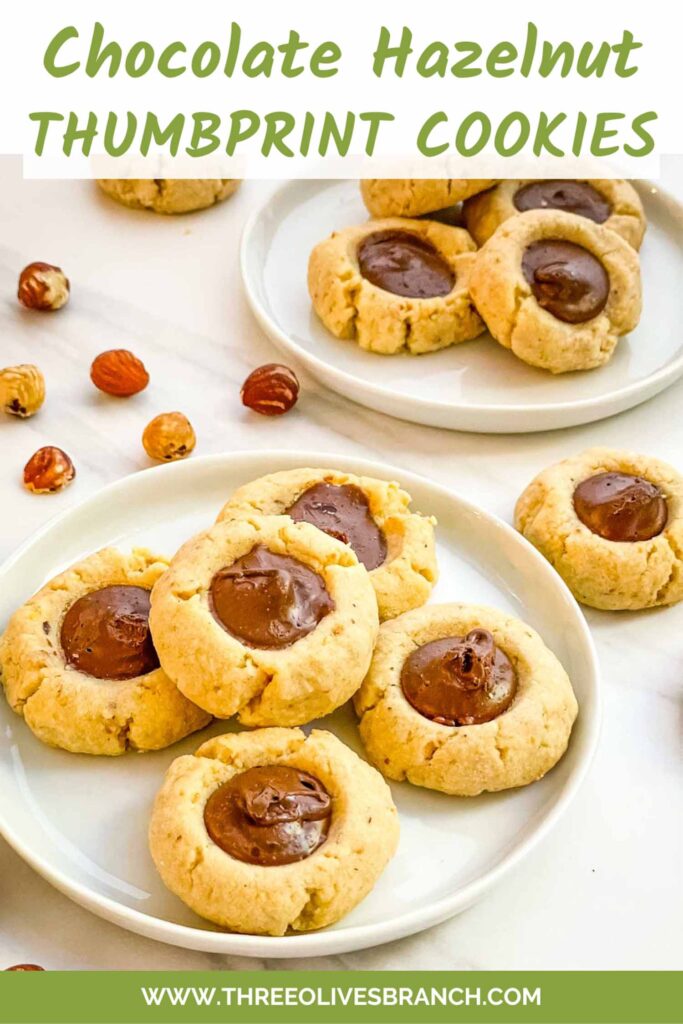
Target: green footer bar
[[360, 997]]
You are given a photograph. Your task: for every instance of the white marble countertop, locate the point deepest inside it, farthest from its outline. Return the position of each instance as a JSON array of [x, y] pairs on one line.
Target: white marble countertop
[[603, 891]]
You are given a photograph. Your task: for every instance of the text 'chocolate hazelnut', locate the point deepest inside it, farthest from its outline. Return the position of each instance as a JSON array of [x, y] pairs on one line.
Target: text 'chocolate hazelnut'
[[566, 280], [106, 634], [621, 507], [342, 511], [267, 600], [269, 815], [404, 264], [459, 680]]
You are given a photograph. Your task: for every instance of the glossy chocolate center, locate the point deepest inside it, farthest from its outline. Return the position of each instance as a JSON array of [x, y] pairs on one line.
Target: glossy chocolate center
[[343, 511], [269, 601], [566, 279], [106, 634], [621, 507], [571, 196], [404, 264], [269, 815], [459, 680]]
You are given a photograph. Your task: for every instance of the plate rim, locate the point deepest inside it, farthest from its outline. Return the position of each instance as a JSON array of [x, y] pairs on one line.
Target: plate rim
[[603, 405], [358, 937]]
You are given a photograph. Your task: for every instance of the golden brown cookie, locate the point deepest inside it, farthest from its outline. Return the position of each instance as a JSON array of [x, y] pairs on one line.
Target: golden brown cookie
[[77, 661], [300, 861], [373, 516], [396, 285], [464, 699], [412, 197], [611, 523], [169, 195], [557, 289], [608, 201], [267, 619]]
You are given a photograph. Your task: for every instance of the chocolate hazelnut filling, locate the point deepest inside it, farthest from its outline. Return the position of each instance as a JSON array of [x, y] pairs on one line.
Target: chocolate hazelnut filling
[[269, 815], [343, 511], [459, 680], [268, 601], [621, 507], [571, 196], [566, 279], [404, 264], [106, 634]]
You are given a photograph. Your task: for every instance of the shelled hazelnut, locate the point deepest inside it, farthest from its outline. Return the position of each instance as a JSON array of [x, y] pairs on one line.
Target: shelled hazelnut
[[169, 436], [118, 372], [271, 390], [43, 286], [48, 470], [22, 390]]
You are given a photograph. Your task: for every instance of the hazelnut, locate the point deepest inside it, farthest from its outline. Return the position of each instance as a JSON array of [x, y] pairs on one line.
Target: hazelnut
[[49, 470], [270, 390], [22, 389], [169, 436], [42, 286], [25, 967], [118, 372]]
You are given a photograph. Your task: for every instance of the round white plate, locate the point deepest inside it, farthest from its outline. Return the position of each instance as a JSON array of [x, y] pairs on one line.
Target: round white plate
[[477, 386], [82, 821]]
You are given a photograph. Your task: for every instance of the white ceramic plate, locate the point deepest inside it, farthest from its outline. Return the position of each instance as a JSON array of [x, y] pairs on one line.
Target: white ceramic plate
[[81, 821], [477, 386]]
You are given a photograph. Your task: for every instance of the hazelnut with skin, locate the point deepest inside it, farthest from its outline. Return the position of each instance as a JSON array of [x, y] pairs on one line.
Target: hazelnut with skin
[[271, 390], [43, 286], [118, 372], [22, 390], [48, 470], [169, 436]]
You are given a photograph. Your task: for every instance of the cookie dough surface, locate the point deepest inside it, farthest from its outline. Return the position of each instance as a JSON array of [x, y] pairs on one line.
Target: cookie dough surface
[[601, 573], [68, 709], [169, 195], [484, 213], [413, 197], [380, 321], [289, 686], [311, 893], [512, 314], [406, 578], [514, 749]]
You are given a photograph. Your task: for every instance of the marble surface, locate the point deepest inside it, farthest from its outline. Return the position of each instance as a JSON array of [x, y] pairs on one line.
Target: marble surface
[[603, 891]]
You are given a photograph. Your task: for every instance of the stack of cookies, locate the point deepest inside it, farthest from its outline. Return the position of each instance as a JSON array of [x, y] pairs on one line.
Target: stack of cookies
[[310, 589], [550, 268]]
